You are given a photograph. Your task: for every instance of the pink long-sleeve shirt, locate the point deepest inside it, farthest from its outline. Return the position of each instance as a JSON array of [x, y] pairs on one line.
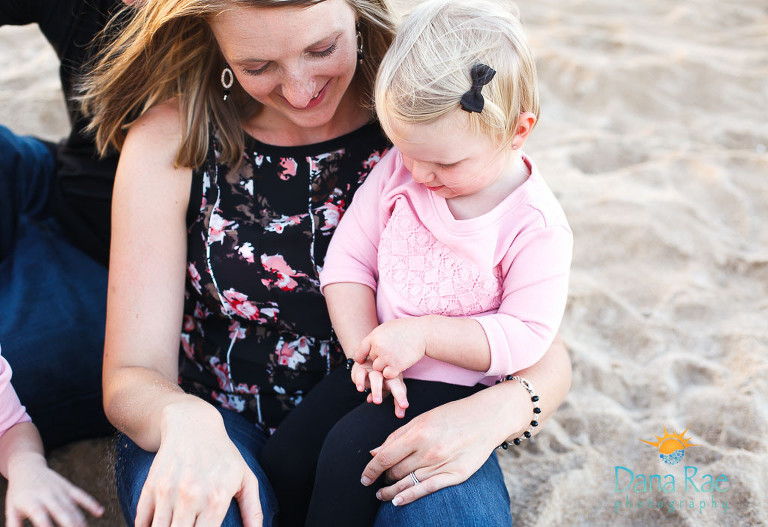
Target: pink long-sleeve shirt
[[507, 269], [11, 410]]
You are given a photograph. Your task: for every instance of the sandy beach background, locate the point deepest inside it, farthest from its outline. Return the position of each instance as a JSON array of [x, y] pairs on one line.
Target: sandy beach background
[[654, 136]]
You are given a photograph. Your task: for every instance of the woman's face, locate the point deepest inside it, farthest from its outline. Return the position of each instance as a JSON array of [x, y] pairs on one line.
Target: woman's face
[[296, 61]]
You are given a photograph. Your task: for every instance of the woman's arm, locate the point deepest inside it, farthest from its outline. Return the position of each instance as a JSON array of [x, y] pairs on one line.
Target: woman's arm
[[144, 315], [448, 444]]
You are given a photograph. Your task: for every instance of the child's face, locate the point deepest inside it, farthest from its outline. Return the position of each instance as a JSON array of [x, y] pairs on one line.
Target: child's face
[[448, 158]]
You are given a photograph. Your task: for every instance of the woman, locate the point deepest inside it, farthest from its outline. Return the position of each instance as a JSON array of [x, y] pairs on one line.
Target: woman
[[249, 131]]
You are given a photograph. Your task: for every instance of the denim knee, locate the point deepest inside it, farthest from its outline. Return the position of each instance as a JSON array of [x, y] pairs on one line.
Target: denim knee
[[133, 466], [481, 501]]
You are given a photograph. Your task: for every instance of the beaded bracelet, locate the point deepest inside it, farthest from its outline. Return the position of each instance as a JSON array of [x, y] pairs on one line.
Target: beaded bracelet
[[536, 410]]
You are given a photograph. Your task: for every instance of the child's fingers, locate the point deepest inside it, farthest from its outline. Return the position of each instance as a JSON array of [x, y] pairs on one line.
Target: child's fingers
[[86, 501], [376, 381], [390, 372], [398, 390], [363, 350], [358, 377], [66, 514]]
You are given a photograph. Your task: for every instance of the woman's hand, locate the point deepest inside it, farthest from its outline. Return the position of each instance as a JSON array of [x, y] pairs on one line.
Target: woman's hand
[[37, 493], [196, 473], [448, 444], [443, 447], [394, 346]]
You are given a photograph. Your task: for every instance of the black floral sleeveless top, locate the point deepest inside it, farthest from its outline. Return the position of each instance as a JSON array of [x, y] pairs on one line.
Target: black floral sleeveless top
[[256, 335]]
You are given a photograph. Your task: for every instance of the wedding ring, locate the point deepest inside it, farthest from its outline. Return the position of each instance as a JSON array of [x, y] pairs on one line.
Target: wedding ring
[[415, 479]]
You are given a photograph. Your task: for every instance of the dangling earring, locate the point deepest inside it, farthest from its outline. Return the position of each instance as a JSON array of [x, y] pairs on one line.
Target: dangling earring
[[227, 79], [359, 47]]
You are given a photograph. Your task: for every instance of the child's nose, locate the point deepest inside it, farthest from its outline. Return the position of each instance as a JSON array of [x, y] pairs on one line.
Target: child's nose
[[422, 173]]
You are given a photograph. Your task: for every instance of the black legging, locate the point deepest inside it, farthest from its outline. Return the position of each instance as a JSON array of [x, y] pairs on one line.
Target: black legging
[[333, 431]]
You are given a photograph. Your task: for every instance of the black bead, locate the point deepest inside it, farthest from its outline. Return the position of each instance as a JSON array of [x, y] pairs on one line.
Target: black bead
[[498, 382], [534, 423], [535, 398], [537, 410], [509, 377], [505, 445], [350, 363], [367, 391], [517, 441], [527, 434]]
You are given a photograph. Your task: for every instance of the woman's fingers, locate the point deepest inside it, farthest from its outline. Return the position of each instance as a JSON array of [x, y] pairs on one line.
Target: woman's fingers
[[424, 488], [145, 509], [387, 455], [249, 502]]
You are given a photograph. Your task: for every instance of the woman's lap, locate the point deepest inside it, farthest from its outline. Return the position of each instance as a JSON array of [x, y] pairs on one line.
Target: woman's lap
[[482, 500], [133, 466], [334, 409]]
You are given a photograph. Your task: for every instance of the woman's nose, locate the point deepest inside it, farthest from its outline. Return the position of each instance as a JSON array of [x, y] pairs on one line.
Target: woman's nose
[[299, 89]]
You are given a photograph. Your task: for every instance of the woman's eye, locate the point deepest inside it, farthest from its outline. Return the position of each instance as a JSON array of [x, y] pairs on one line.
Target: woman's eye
[[257, 71], [324, 53], [447, 166]]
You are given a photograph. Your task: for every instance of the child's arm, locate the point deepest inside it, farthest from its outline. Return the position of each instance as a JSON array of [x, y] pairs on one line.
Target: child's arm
[[34, 490], [352, 308], [513, 338]]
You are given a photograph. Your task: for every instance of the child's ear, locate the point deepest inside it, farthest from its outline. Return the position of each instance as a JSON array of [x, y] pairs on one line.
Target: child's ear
[[524, 126]]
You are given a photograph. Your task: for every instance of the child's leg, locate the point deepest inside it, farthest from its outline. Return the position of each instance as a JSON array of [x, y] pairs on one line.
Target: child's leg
[[338, 497], [290, 456]]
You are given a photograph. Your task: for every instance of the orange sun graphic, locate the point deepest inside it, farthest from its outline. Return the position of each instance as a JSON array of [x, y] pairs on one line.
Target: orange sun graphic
[[671, 446]]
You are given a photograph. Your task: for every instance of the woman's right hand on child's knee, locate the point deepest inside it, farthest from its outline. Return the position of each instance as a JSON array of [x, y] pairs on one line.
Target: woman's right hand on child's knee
[[195, 475]]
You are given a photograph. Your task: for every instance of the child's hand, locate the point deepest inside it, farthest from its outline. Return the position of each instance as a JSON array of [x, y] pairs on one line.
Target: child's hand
[[394, 346], [37, 493], [364, 376], [397, 388]]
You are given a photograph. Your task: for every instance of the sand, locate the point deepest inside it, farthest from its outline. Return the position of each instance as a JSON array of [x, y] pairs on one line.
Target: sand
[[654, 136]]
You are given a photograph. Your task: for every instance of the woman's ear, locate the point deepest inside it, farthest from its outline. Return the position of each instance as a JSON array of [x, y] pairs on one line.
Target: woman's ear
[[525, 123]]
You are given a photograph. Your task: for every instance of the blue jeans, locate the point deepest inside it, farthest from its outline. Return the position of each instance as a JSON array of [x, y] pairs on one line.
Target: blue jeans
[[52, 301], [133, 466], [481, 501]]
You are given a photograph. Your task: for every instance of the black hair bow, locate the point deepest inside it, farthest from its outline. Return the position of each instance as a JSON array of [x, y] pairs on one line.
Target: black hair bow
[[472, 101]]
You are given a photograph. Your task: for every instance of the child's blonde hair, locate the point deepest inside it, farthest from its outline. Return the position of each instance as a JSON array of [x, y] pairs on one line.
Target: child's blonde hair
[[427, 68]]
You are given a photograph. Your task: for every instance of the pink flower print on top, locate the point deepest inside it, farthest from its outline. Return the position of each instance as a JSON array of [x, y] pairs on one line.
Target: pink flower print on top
[[285, 275], [291, 354], [217, 227], [187, 347], [332, 213], [237, 303], [429, 274], [236, 331], [374, 158], [289, 168], [246, 252], [194, 276], [282, 222]]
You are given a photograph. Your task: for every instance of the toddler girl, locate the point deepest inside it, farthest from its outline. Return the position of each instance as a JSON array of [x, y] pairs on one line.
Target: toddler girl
[[450, 267]]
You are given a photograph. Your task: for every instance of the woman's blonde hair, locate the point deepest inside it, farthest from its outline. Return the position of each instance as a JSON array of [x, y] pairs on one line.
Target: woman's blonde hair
[[427, 68], [159, 49]]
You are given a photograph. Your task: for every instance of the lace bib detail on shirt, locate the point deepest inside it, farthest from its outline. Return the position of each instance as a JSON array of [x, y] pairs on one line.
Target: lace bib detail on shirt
[[429, 274]]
